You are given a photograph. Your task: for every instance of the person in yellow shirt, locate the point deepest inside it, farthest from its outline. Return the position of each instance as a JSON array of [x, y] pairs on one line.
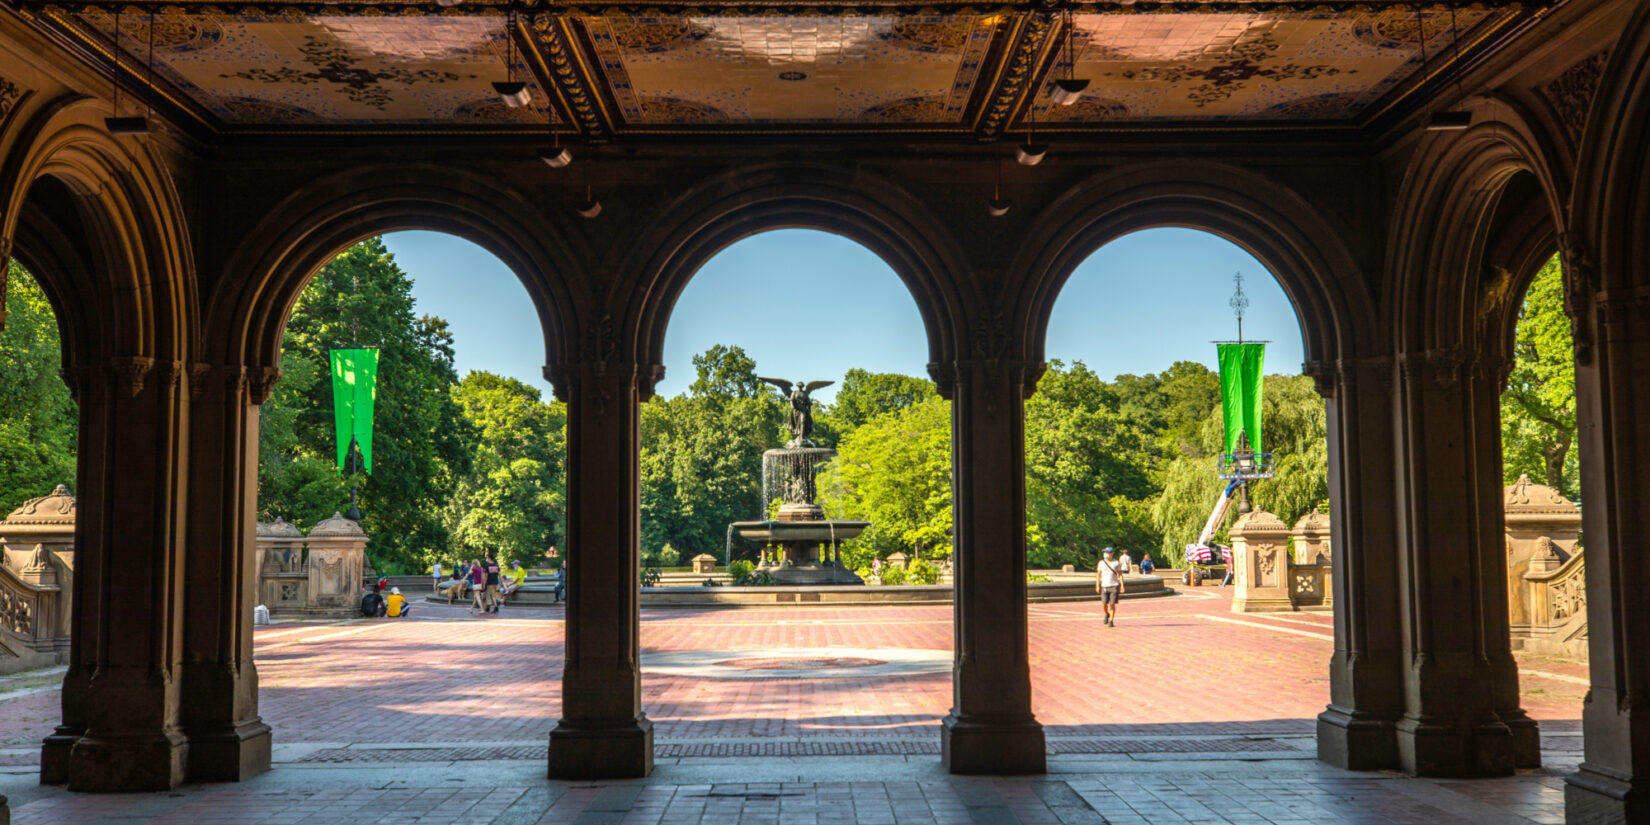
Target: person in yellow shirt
[[513, 579], [397, 604]]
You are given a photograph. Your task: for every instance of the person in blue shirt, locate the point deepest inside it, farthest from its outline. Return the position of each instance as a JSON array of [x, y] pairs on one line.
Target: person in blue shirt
[[561, 582], [1146, 565]]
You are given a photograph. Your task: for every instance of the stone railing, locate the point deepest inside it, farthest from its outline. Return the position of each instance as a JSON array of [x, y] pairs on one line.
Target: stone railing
[[37, 582], [322, 582], [1546, 573], [30, 631], [1268, 578]]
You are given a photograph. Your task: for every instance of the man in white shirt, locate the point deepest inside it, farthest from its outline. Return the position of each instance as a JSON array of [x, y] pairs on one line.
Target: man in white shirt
[[1108, 582], [1124, 560]]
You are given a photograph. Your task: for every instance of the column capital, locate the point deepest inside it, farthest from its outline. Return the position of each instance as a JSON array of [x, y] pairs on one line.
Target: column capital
[[949, 375]]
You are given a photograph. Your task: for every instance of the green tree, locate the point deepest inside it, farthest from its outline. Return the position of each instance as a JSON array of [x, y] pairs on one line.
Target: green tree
[[38, 425], [514, 498], [423, 444], [1538, 410], [701, 455], [864, 395], [895, 472], [1087, 467], [1298, 439]]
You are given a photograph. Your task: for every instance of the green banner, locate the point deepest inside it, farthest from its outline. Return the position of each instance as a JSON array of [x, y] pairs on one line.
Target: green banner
[[1241, 373], [354, 388]]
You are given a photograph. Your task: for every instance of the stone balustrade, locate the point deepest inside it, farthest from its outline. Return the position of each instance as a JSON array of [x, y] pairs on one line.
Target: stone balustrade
[[36, 582], [322, 582], [1546, 574]]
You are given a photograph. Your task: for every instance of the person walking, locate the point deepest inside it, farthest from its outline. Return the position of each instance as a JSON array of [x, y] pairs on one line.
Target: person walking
[[1146, 564], [435, 577], [492, 583], [478, 586], [1124, 559], [1108, 582]]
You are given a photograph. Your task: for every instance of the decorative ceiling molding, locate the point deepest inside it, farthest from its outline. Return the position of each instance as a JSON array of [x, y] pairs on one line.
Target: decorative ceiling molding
[[1025, 58], [561, 64], [802, 8]]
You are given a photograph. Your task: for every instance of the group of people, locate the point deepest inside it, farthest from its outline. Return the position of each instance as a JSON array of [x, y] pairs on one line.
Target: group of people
[[1108, 578], [489, 585], [376, 604]]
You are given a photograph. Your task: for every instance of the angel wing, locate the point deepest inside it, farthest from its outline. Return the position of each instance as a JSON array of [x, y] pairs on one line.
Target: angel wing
[[783, 385], [814, 385]]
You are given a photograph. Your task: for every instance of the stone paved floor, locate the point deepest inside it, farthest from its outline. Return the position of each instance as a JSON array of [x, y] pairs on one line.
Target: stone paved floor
[[1184, 712]]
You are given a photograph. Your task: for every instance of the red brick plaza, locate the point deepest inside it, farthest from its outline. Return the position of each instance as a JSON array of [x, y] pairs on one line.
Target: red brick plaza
[[1179, 677]]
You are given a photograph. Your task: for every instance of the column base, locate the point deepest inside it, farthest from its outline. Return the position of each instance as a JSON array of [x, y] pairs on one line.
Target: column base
[[1591, 797], [1428, 748], [1355, 741], [1526, 742], [231, 756], [54, 756], [128, 765], [602, 753], [1000, 750], [1262, 604]]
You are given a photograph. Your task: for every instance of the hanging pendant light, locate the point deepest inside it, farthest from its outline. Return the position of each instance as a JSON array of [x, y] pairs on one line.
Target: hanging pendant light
[[1438, 121], [1069, 89], [1449, 120], [591, 207], [1030, 153], [447, 4], [131, 124], [556, 156], [998, 206], [513, 92]]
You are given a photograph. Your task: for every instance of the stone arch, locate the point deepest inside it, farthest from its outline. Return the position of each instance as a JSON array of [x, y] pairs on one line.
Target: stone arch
[[1461, 199], [1610, 204], [874, 213], [1317, 270], [98, 216], [247, 315]]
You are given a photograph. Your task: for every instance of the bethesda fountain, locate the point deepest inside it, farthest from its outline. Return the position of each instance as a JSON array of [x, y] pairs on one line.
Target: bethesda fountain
[[799, 546]]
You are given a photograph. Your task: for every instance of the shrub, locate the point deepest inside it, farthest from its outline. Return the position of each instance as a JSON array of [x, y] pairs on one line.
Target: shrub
[[921, 572], [740, 569], [893, 575]]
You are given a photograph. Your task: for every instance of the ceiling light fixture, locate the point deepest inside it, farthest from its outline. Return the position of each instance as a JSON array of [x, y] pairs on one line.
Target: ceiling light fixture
[[1028, 153], [513, 92], [998, 206], [554, 157], [447, 4], [591, 207], [1450, 120], [1069, 89]]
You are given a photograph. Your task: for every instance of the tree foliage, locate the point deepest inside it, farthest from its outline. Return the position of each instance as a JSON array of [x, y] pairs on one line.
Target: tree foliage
[[424, 445], [701, 455], [895, 472], [38, 418], [1538, 410], [514, 499]]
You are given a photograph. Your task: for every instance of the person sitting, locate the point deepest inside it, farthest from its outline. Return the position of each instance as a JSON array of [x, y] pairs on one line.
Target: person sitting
[[372, 604], [396, 605], [561, 582], [513, 580]]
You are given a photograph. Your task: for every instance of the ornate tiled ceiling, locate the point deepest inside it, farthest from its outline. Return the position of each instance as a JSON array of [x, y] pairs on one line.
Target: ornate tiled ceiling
[[614, 71]]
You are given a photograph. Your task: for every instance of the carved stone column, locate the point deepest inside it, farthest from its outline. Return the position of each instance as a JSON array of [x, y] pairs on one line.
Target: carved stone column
[[1260, 549], [228, 740], [1461, 716], [602, 733], [120, 729], [990, 729], [1356, 731], [1613, 428]]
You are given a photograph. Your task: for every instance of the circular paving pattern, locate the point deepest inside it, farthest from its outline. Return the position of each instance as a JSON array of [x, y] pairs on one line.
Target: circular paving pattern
[[794, 663]]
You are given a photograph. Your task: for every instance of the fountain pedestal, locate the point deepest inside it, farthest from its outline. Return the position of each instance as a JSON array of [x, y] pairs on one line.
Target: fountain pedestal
[[800, 545]]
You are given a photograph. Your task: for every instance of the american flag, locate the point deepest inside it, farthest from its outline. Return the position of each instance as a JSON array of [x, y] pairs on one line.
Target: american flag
[[1202, 554]]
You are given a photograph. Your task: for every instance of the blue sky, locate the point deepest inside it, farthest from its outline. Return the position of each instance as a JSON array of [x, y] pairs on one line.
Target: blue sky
[[810, 305]]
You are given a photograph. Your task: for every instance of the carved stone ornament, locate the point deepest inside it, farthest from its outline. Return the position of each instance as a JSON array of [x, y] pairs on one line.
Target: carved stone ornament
[[261, 383], [1526, 496], [991, 335], [944, 376], [1571, 94], [16, 613], [10, 95], [1267, 559], [55, 509], [1323, 376], [131, 372]]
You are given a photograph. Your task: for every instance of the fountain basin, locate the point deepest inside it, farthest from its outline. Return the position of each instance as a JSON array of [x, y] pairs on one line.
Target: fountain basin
[[782, 531]]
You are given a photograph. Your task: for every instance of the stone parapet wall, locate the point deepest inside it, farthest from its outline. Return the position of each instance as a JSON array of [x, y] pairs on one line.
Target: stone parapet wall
[[37, 582]]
